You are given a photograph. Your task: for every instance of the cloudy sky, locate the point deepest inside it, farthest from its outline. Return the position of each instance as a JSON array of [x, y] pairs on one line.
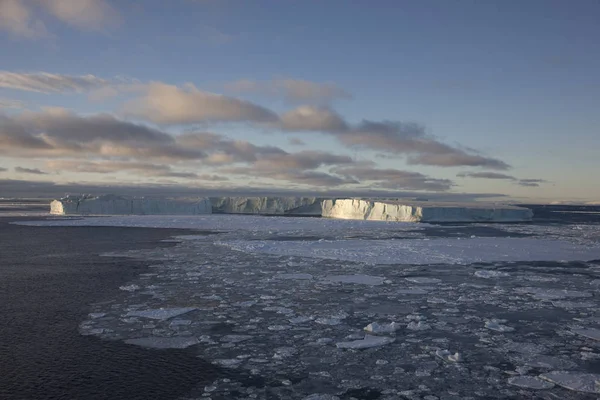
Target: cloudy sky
[[439, 99]]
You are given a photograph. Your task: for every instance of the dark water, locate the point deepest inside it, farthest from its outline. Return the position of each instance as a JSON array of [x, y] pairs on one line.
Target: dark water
[[48, 277]]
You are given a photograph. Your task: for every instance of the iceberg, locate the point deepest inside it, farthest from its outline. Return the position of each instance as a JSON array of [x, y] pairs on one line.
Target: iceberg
[[395, 210], [110, 204], [299, 206]]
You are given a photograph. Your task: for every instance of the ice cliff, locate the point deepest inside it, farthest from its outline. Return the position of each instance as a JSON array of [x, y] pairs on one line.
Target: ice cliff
[[120, 205], [267, 205], [390, 210], [362, 209]]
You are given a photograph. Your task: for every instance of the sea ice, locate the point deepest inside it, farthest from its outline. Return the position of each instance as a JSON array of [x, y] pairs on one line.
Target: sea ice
[[490, 274], [496, 326], [376, 328], [368, 342], [448, 356], [419, 279], [551, 294], [530, 382], [235, 338], [294, 276], [418, 326], [588, 333], [358, 279], [412, 291], [543, 361], [176, 342], [578, 381], [130, 288], [160, 313]]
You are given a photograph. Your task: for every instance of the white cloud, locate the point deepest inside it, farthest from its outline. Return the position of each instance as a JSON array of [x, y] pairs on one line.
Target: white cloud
[[83, 14], [292, 90], [8, 103], [45, 82], [16, 18], [22, 18], [168, 104]]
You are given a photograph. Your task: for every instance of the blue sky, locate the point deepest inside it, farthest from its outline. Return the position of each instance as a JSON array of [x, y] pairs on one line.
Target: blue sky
[[479, 97]]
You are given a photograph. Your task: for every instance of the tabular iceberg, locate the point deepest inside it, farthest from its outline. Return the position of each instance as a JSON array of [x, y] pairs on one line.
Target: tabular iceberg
[[394, 210], [267, 205], [119, 205]]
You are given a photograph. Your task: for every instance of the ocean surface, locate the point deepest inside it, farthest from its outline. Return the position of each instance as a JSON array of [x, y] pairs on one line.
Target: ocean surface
[[53, 277], [48, 278]]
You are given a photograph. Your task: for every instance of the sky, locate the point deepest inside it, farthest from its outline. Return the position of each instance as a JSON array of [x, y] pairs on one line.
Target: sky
[[450, 100]]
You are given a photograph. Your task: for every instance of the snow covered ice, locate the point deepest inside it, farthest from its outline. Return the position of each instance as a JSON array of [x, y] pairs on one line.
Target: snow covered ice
[[350, 308]]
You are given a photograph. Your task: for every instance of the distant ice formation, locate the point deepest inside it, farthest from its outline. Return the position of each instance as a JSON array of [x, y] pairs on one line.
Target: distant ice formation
[[393, 210], [358, 209], [307, 206], [120, 205]]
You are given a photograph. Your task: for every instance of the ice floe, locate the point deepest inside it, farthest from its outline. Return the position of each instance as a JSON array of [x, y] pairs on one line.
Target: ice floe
[[177, 342], [357, 279], [160, 313], [530, 382], [376, 328], [590, 333], [366, 343], [578, 381]]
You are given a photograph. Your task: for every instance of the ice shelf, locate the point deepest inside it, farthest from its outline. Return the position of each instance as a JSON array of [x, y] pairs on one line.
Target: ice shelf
[[120, 205], [394, 210], [353, 209], [267, 205]]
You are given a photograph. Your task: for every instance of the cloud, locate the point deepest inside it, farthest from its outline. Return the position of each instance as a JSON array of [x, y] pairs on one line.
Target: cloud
[[44, 82], [8, 103], [168, 104], [396, 179], [310, 178], [531, 182], [398, 138], [27, 188], [138, 168], [315, 119], [33, 171], [21, 18], [225, 150], [90, 15], [296, 142], [486, 175], [16, 19], [458, 158], [59, 133], [292, 90]]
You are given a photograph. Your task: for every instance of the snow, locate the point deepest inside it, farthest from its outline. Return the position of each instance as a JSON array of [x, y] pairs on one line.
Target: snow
[[160, 313], [391, 210], [376, 328], [267, 205], [448, 356], [578, 381], [120, 205], [366, 343]]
